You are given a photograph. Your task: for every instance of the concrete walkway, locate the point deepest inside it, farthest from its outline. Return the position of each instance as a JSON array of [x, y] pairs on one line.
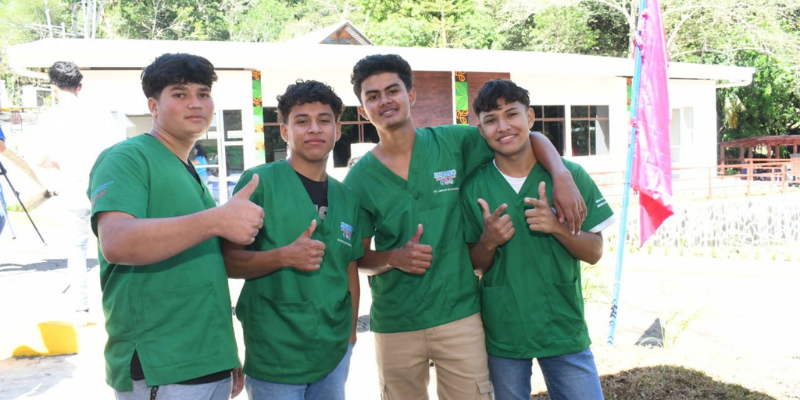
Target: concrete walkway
[[742, 306]]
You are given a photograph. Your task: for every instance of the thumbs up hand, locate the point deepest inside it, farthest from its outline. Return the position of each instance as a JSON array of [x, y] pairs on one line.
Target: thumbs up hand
[[305, 254], [541, 217], [497, 227], [240, 219], [413, 257]]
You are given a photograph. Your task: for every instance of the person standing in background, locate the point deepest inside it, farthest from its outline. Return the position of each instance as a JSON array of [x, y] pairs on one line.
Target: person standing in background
[[71, 137]]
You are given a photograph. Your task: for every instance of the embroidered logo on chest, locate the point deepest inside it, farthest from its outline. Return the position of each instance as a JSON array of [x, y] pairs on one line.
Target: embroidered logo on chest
[[347, 231], [445, 178]]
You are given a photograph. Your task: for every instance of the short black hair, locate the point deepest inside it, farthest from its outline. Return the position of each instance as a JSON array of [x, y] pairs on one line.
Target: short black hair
[[65, 75], [496, 89], [176, 69], [304, 92], [378, 64]]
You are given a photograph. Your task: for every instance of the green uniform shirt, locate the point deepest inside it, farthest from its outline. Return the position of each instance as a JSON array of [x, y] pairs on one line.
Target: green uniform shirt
[[531, 299], [391, 209], [297, 324], [176, 313]]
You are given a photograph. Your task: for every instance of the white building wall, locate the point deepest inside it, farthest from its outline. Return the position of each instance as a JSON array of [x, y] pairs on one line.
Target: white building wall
[[571, 90]]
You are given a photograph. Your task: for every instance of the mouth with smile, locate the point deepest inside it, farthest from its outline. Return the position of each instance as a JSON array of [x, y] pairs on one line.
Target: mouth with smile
[[506, 138]]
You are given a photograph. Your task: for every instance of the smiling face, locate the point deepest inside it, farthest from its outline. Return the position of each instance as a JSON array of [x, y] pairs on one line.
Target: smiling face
[[182, 111], [507, 129], [386, 101], [311, 131]]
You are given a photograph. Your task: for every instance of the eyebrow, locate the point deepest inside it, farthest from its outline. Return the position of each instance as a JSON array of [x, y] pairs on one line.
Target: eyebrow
[[306, 115], [386, 88], [181, 86]]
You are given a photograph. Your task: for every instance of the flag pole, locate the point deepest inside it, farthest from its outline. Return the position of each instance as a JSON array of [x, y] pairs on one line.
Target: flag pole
[[637, 72]]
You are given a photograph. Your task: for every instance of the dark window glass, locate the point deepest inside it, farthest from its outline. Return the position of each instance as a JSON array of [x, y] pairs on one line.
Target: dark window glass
[[233, 124], [270, 114], [349, 114], [553, 112], [554, 130], [274, 146], [580, 111], [341, 151]]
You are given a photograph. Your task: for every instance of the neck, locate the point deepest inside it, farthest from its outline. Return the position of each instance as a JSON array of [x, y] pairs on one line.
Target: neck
[[180, 148], [516, 165], [316, 171], [397, 141], [66, 97]]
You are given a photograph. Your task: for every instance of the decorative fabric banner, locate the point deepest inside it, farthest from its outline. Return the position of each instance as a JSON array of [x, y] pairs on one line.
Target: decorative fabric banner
[[462, 97], [258, 118], [652, 164]]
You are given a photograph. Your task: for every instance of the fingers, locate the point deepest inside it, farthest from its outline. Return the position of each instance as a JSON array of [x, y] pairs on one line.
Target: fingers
[[310, 230], [247, 190], [417, 235], [499, 211], [484, 207], [543, 193]]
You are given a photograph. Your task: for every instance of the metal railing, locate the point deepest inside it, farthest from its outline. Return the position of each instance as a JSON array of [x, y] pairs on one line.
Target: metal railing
[[745, 177]]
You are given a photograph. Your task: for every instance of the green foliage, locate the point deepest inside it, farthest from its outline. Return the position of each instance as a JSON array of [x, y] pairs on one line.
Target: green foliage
[[769, 106], [429, 23], [167, 20]]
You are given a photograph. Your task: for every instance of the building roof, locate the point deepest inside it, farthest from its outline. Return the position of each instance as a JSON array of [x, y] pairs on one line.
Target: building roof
[[135, 54], [340, 33]]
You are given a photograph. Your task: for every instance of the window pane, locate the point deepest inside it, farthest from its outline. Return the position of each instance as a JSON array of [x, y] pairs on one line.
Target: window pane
[[538, 110], [341, 151], [538, 126], [234, 157], [270, 114], [580, 111], [349, 114], [600, 140], [553, 112], [233, 124], [580, 138], [598, 111], [554, 130], [370, 134], [274, 146]]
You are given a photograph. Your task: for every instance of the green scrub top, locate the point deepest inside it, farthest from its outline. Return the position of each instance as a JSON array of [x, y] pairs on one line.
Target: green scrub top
[[531, 298], [391, 209], [297, 324], [176, 313]]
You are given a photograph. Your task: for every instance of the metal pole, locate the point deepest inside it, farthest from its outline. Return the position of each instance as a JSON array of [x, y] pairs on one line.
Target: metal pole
[[637, 73]]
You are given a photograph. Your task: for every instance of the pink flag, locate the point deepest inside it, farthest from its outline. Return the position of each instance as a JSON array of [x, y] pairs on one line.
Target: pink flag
[[651, 174]]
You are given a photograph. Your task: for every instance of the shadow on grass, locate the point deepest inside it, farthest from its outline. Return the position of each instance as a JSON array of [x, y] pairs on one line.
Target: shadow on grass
[[669, 382]]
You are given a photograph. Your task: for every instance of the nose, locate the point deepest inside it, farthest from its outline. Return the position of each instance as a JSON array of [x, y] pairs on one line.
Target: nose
[[195, 102], [314, 127], [502, 124]]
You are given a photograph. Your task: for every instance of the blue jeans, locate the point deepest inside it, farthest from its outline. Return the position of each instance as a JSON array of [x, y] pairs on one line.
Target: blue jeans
[[331, 387], [568, 377]]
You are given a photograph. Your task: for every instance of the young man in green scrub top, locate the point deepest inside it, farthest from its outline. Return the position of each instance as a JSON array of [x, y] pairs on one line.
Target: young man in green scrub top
[[299, 305], [165, 290], [425, 300], [531, 300]]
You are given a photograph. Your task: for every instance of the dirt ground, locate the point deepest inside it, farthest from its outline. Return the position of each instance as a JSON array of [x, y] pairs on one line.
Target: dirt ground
[[740, 319]]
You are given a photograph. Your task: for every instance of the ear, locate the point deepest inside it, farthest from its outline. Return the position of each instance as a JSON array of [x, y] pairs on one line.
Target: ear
[[338, 131], [412, 96], [531, 117], [480, 130], [152, 104], [284, 133], [78, 89], [362, 113]]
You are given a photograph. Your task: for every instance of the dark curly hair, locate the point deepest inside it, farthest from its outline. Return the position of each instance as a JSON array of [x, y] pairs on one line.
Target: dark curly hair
[[176, 69], [304, 92], [378, 64], [496, 89], [65, 75]]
